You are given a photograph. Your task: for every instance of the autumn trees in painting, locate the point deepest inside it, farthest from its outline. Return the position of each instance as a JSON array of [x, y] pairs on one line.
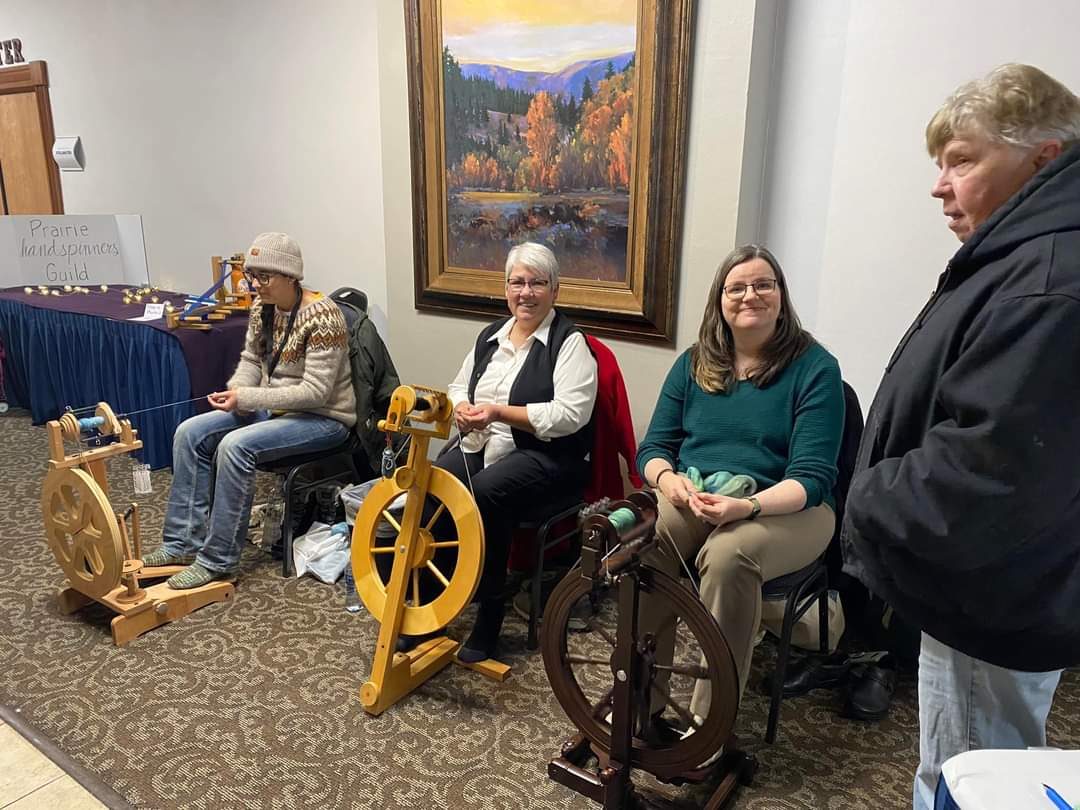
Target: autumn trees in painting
[[505, 139]]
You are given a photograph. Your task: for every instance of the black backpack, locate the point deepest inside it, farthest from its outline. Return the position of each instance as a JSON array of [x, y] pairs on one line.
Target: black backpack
[[374, 377]]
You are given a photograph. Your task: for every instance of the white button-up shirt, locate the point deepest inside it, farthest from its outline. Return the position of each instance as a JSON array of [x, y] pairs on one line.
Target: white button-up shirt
[[569, 410]]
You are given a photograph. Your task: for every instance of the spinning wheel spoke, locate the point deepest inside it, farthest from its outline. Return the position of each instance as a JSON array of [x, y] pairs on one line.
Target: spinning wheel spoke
[[690, 670], [438, 512], [445, 544], [416, 586], [390, 519], [439, 575], [591, 627], [383, 550], [578, 659], [684, 714]]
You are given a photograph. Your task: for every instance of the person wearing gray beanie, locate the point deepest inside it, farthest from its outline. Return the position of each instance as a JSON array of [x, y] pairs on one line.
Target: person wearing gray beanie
[[291, 393]]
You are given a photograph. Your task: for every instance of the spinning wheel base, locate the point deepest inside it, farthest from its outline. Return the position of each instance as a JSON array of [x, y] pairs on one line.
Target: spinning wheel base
[[406, 672], [611, 786], [159, 604]]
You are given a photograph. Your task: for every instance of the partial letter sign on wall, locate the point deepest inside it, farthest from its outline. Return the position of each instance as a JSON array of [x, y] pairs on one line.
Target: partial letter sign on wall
[[11, 51]]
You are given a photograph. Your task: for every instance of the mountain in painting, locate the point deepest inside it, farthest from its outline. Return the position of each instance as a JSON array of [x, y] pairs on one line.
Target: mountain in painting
[[568, 81]]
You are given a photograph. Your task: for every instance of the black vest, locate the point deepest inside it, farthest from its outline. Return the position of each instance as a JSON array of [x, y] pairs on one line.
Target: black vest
[[535, 383]]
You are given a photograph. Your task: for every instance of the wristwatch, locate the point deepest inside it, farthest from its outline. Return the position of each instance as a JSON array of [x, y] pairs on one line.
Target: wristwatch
[[755, 508]]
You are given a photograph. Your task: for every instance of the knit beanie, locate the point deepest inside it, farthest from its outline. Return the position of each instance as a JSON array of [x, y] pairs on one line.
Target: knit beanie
[[275, 253]]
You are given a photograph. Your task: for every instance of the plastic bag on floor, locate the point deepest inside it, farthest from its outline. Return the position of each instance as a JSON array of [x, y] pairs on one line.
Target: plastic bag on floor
[[353, 496], [324, 552]]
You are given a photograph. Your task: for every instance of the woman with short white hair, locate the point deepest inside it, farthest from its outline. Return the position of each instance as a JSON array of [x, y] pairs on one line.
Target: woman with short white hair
[[523, 402], [964, 507]]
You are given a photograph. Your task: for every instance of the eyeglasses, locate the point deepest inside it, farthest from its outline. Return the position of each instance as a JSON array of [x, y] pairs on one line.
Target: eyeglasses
[[536, 285], [762, 286], [261, 277]]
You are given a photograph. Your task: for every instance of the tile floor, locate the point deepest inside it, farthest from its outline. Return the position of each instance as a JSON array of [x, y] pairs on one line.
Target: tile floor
[[29, 780]]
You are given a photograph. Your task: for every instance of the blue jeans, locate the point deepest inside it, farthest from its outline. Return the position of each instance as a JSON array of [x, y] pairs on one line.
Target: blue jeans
[[965, 704], [229, 446]]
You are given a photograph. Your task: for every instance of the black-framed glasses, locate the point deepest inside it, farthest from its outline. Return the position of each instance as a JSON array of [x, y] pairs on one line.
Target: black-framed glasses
[[763, 286], [536, 285], [260, 276]]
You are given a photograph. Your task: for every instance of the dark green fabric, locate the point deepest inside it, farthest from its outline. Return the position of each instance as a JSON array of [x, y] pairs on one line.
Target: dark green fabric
[[790, 429]]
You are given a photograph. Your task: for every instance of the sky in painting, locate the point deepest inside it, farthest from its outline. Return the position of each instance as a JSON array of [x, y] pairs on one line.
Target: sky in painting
[[542, 35]]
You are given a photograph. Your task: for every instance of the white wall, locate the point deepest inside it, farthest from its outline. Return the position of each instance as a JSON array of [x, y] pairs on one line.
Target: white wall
[[428, 349], [848, 205], [217, 120]]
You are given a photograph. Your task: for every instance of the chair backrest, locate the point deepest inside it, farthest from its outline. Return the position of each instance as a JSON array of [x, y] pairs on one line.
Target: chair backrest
[[374, 377], [845, 469]]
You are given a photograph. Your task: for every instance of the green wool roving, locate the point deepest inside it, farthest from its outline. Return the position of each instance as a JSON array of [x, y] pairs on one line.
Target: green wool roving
[[722, 483]]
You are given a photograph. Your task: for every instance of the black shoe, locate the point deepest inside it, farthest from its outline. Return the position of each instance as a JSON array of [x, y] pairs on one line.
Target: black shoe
[[811, 672], [484, 637], [870, 690], [406, 643]]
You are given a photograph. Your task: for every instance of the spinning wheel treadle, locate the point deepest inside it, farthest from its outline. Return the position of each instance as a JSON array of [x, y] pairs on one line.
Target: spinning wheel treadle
[[82, 531], [575, 662], [458, 585]]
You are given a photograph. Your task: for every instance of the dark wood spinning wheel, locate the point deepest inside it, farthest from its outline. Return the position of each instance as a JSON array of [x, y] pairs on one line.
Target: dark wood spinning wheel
[[581, 669]]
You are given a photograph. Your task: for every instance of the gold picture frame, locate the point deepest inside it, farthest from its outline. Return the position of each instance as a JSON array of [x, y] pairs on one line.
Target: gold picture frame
[[598, 174]]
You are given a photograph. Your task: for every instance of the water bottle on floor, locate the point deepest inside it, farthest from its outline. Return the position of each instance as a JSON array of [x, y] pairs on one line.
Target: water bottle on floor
[[352, 598]]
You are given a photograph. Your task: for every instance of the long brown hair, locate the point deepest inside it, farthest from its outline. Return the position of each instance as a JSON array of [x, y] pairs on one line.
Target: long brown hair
[[712, 358]]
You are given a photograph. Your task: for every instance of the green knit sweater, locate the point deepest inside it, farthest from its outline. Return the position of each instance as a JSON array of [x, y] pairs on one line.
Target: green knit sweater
[[788, 430]]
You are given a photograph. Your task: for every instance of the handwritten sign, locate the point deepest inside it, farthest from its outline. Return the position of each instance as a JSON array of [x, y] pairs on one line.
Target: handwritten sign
[[90, 249]]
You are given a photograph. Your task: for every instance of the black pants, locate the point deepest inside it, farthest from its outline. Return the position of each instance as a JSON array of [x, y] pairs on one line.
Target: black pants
[[524, 485]]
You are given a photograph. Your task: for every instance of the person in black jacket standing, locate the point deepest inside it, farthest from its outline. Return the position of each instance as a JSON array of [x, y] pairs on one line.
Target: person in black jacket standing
[[964, 510]]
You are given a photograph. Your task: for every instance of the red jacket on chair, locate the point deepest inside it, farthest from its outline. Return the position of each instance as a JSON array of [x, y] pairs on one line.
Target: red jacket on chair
[[613, 436], [613, 429]]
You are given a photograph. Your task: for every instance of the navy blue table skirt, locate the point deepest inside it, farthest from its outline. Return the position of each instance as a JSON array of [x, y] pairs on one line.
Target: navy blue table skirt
[[57, 359]]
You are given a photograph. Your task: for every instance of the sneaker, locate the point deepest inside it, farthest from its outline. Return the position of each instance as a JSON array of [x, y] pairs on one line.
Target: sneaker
[[195, 576], [159, 557]]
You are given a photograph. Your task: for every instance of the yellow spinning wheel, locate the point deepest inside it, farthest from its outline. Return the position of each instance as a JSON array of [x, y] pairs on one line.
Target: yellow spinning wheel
[[458, 585], [81, 530]]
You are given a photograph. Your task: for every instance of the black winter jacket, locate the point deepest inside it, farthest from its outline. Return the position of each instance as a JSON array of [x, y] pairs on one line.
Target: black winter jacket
[[964, 510]]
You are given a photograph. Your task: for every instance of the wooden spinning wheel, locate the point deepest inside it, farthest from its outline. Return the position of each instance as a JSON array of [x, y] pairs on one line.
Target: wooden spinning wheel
[[400, 604], [91, 542], [573, 660], [458, 586], [82, 531], [611, 678]]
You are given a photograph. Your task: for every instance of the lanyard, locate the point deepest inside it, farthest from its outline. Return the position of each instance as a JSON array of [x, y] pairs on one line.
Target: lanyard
[[268, 325]]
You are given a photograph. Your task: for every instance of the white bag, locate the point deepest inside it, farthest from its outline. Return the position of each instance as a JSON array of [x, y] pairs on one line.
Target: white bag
[[322, 552], [352, 497]]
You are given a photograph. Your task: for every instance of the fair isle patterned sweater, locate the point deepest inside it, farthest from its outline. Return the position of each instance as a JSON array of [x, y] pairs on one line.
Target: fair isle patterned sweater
[[313, 374]]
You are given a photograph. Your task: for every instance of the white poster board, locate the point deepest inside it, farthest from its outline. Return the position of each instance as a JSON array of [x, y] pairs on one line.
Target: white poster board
[[72, 249]]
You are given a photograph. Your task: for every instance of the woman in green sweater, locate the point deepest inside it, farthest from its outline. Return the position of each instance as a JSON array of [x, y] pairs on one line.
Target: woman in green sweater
[[759, 398]]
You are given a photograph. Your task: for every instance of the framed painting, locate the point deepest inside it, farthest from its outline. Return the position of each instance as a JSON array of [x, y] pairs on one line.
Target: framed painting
[[558, 122]]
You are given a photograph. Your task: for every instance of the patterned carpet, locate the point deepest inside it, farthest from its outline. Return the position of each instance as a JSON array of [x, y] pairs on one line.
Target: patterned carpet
[[254, 703]]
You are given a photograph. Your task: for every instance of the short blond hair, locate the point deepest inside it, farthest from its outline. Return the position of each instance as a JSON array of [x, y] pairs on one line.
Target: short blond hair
[[1014, 104]]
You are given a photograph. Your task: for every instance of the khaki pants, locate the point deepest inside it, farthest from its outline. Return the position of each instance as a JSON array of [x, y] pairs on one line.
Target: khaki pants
[[733, 561]]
